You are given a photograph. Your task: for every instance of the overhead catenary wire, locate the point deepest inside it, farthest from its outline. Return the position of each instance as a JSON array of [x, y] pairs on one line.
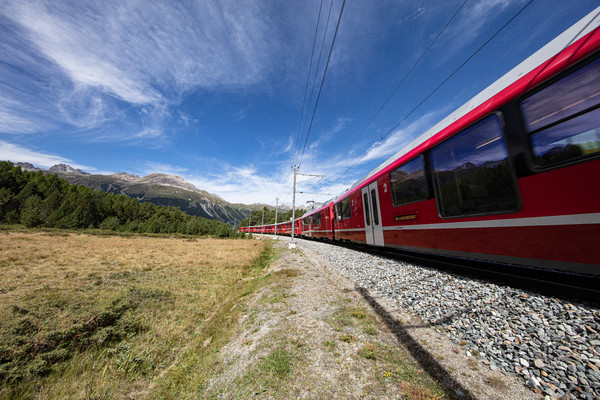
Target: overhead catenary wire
[[314, 79], [401, 82], [298, 134], [435, 90], [285, 184], [322, 80]]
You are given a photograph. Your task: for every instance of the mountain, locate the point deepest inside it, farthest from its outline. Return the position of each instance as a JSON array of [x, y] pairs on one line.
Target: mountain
[[159, 189]]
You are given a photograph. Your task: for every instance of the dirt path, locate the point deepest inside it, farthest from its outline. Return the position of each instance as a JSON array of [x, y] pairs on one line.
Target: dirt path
[[310, 333]]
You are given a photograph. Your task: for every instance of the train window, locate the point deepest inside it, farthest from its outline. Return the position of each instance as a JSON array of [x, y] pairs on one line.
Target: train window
[[316, 218], [374, 203], [409, 183], [367, 216], [346, 209], [472, 172], [343, 209], [562, 119]]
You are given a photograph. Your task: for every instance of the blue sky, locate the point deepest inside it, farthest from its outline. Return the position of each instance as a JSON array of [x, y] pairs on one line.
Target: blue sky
[[213, 91]]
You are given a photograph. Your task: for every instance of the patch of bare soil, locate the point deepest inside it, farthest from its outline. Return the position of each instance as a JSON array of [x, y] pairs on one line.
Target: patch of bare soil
[[308, 332]]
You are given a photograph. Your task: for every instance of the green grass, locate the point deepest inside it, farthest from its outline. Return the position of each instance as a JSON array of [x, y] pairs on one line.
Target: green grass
[[107, 317], [277, 363], [368, 352]]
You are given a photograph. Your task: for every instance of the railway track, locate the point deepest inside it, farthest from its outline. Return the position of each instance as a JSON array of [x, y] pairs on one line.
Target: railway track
[[563, 285], [542, 329]]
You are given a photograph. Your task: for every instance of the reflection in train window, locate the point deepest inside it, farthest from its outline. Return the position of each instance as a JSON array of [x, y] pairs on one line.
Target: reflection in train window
[[366, 207], [409, 183], [316, 218], [472, 172], [564, 118], [374, 204], [343, 209]]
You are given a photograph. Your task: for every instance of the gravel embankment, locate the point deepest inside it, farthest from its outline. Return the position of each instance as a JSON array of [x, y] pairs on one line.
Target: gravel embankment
[[553, 345]]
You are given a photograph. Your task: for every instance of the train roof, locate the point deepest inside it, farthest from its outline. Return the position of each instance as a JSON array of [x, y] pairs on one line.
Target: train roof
[[580, 29], [321, 207]]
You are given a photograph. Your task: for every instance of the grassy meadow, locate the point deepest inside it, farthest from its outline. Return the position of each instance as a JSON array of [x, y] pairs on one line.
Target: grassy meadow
[[99, 317]]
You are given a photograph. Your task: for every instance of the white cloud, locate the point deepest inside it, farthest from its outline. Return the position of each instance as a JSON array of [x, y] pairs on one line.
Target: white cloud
[[138, 51], [76, 44], [84, 59], [398, 139], [289, 145], [169, 169], [239, 185], [18, 116], [473, 19], [246, 184], [15, 153], [14, 122]]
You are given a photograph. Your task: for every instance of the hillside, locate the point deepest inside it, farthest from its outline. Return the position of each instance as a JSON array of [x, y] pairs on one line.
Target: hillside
[[159, 189]]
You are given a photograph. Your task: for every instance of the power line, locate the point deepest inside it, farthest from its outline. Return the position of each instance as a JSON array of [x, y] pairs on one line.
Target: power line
[[312, 91], [401, 82], [437, 88], [307, 80], [322, 81]]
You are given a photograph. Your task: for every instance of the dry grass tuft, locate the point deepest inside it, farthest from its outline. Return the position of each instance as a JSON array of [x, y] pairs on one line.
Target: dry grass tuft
[[106, 316]]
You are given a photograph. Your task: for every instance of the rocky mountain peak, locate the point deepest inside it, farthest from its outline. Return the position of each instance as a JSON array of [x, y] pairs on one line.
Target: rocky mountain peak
[[125, 176], [169, 180], [25, 166], [66, 169]]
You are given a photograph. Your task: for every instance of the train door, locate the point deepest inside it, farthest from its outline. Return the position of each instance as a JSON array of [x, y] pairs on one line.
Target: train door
[[372, 215]]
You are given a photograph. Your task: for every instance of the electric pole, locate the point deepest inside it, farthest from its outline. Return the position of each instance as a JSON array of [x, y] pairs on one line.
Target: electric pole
[[276, 204], [294, 206], [294, 200]]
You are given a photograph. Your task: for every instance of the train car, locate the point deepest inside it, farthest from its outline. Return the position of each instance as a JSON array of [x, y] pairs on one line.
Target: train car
[[286, 228], [510, 177], [297, 227], [318, 223]]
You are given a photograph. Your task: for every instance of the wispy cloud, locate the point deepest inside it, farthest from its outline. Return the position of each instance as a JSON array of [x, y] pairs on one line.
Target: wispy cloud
[[469, 24], [16, 153], [13, 120], [87, 57], [240, 184], [133, 49], [339, 124], [170, 169]]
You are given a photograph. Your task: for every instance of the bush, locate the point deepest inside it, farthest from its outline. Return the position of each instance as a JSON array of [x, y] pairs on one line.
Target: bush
[[110, 223]]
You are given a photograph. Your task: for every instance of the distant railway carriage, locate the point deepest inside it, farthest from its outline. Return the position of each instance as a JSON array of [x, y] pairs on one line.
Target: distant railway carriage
[[511, 177], [318, 223]]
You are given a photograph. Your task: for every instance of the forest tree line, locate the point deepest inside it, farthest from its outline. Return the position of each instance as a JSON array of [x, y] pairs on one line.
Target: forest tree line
[[35, 199]]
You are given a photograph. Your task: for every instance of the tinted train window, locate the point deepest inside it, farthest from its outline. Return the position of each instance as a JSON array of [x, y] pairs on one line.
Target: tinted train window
[[316, 218], [408, 182], [564, 118], [374, 204], [343, 209], [472, 172], [367, 215]]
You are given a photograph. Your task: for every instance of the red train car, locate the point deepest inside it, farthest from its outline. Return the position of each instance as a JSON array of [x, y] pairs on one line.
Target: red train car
[[510, 177], [318, 223]]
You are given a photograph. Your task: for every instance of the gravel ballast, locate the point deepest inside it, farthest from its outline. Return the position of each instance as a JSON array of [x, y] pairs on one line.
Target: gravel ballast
[[552, 344]]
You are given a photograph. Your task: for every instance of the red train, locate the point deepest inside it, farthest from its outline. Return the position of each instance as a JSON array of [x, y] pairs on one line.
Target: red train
[[512, 177]]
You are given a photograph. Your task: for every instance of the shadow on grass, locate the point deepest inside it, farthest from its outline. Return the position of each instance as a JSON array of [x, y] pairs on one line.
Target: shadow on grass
[[451, 387]]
